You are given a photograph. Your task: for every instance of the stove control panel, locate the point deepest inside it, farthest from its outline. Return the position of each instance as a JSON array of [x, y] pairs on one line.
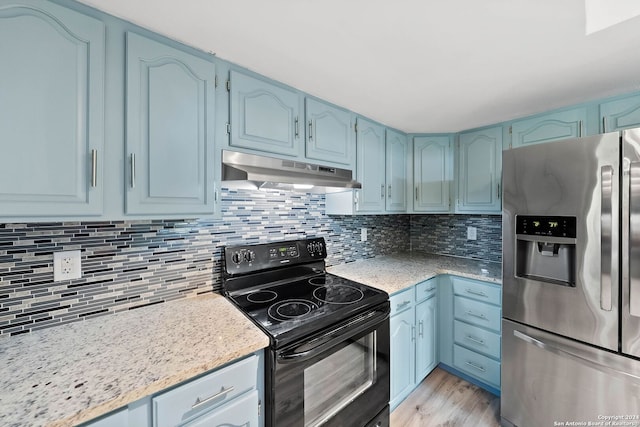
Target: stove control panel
[[249, 258]]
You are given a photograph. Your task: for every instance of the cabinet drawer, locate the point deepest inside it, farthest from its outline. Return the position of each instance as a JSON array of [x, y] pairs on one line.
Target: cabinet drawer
[[186, 401], [401, 301], [243, 411], [477, 339], [425, 290], [477, 365], [476, 290], [477, 313]]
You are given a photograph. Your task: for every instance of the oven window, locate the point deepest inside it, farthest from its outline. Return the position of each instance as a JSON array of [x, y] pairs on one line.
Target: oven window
[[333, 382]]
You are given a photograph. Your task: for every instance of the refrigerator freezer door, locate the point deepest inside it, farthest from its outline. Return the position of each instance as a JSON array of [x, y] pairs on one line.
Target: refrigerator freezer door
[[630, 327], [571, 178], [548, 380]]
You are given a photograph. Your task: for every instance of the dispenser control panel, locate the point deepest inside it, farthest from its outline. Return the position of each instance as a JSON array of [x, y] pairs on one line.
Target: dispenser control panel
[[552, 226]]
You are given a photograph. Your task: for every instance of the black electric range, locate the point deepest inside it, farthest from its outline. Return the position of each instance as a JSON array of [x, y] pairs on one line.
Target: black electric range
[[328, 359], [284, 288]]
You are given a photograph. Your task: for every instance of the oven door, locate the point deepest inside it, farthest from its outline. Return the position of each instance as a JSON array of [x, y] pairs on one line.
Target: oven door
[[338, 377]]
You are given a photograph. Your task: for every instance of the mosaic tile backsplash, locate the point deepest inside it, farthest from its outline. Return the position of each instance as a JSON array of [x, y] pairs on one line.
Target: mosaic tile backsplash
[[131, 264], [447, 235]]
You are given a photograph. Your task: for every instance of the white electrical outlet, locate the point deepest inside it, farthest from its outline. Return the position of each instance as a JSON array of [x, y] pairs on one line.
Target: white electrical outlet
[[66, 265], [363, 234], [472, 233]]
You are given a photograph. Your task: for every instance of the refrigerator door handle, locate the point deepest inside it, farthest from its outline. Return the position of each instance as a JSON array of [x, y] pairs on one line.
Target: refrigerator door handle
[[632, 233], [564, 351], [608, 239]]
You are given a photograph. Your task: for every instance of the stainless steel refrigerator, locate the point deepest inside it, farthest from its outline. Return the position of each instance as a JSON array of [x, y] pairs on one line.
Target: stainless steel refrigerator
[[571, 282]]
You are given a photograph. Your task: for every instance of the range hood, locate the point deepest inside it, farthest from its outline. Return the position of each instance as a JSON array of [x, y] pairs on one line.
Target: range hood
[[269, 172]]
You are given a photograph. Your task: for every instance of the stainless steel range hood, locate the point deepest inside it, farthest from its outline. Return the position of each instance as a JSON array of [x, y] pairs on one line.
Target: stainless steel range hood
[[269, 172]]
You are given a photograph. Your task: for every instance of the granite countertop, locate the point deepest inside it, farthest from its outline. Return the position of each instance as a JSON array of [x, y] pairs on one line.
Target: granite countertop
[[72, 373], [392, 273]]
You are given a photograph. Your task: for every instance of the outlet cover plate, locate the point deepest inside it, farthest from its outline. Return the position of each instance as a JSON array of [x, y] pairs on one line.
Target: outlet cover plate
[[472, 233], [66, 265], [363, 234]]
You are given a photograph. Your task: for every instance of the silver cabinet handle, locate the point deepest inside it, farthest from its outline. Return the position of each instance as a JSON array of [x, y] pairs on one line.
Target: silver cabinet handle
[[479, 316], [310, 130], [608, 252], [474, 339], [498, 192], [416, 193], [413, 333], [475, 366], [382, 191], [402, 305], [604, 124], [199, 402], [296, 127], [580, 128], [430, 289], [478, 293], [133, 170], [389, 195], [421, 328], [94, 168]]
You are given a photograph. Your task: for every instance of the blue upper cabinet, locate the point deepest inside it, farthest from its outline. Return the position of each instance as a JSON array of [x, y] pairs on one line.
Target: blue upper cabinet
[[169, 130], [479, 170], [370, 149], [329, 132], [397, 171], [550, 127], [432, 173], [264, 116], [51, 111], [620, 114]]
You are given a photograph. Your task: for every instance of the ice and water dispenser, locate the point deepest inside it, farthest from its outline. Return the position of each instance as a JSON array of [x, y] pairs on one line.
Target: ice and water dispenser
[[546, 249]]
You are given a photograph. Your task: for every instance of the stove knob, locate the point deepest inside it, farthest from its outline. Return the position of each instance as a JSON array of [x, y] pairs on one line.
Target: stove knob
[[250, 256], [236, 258]]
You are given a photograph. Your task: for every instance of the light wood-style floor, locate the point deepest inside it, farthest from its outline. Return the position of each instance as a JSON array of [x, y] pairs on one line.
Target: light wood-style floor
[[443, 399]]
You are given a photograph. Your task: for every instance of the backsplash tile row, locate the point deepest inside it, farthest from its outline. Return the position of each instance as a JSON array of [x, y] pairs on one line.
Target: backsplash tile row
[[447, 235], [131, 264]]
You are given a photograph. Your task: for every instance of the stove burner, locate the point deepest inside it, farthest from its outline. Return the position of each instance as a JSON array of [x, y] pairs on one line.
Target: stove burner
[[338, 294], [290, 309], [321, 281], [260, 297]]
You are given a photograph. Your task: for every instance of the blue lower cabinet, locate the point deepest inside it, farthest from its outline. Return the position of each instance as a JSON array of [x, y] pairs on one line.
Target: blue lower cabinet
[[413, 338], [470, 330]]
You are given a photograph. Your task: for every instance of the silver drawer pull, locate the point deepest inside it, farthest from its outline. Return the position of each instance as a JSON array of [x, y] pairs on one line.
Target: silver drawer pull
[[475, 340], [199, 402], [430, 289], [402, 305], [478, 367], [479, 316], [472, 292], [94, 168]]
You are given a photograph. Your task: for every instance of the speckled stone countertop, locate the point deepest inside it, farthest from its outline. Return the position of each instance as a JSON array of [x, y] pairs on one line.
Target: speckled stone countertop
[[393, 273], [72, 373]]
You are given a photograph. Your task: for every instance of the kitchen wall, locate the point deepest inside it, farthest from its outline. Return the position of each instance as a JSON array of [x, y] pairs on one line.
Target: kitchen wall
[[131, 264], [447, 235]]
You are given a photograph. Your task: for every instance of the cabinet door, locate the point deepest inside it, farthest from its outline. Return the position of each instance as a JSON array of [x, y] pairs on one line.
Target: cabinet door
[[51, 111], [264, 116], [620, 114], [370, 149], [329, 133], [170, 116], [242, 411], [426, 318], [479, 167], [551, 127], [397, 171], [431, 173], [402, 355]]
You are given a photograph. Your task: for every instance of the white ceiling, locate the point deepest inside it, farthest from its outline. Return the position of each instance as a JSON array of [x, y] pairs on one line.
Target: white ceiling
[[416, 65]]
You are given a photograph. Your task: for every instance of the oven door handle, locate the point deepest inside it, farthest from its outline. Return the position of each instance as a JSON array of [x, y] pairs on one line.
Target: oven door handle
[[325, 341]]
